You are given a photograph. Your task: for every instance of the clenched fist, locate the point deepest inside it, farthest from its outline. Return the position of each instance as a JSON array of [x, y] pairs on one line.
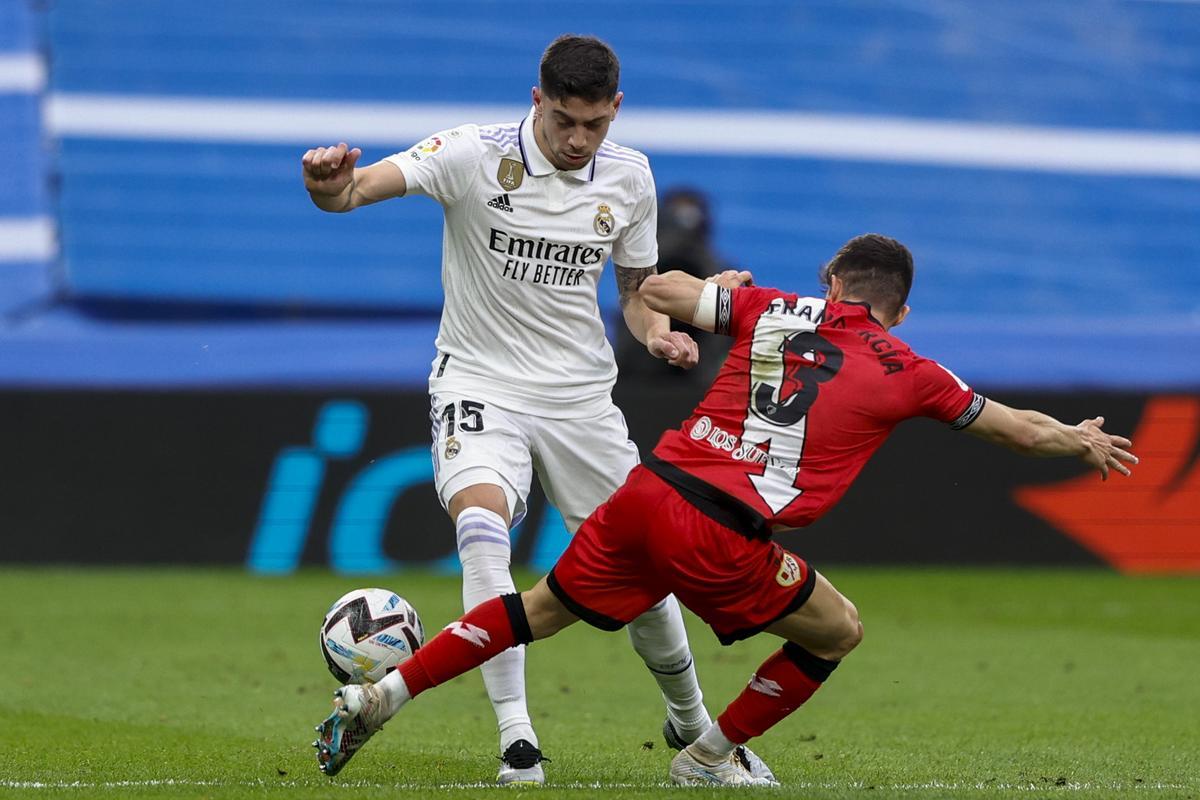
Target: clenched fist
[[329, 170]]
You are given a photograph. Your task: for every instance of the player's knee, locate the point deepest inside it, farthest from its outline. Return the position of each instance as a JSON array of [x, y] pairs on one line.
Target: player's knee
[[486, 496], [545, 613], [851, 630]]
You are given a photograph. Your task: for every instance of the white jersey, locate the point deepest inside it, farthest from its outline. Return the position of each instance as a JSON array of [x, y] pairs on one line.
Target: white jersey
[[523, 250]]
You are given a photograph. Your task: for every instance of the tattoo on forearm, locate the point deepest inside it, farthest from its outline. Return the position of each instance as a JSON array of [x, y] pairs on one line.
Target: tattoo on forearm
[[630, 280]]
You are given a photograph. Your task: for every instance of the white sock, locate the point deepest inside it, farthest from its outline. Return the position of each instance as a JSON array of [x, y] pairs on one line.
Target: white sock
[[485, 553], [660, 639], [713, 742], [395, 693]]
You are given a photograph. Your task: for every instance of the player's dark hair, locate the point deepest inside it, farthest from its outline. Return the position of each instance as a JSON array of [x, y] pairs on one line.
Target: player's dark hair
[[579, 66], [874, 268]]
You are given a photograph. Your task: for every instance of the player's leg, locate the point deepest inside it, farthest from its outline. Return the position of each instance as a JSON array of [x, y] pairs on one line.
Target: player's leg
[[603, 578], [581, 463], [493, 627], [819, 634], [482, 472], [740, 584]]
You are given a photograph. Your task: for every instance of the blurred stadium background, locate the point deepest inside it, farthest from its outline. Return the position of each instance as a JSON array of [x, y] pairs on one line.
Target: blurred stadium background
[[198, 366]]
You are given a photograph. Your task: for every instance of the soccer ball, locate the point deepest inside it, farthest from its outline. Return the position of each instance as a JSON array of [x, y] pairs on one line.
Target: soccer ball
[[367, 633]]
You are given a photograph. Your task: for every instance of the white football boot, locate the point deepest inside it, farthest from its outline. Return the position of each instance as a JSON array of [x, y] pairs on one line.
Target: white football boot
[[357, 716], [688, 770], [521, 765], [753, 764]]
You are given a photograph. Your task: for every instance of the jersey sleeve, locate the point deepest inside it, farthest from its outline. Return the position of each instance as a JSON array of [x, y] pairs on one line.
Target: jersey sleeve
[[637, 244], [942, 395], [737, 310], [441, 166]]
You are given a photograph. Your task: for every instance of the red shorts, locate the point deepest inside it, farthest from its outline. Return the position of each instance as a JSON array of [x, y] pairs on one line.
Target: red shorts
[[647, 542]]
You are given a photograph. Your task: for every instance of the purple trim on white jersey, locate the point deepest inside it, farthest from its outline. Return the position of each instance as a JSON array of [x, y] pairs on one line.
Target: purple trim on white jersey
[[499, 142], [610, 147], [521, 144], [618, 153], [623, 159], [498, 133]]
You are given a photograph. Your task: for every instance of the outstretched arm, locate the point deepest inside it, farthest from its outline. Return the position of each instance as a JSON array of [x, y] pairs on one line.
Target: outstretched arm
[[335, 184], [678, 294], [1033, 433], [650, 327]]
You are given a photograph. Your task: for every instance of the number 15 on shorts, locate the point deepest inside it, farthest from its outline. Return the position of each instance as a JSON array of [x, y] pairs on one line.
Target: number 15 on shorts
[[465, 416]]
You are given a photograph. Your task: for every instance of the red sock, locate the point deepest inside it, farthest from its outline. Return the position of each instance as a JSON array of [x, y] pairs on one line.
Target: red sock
[[486, 630], [781, 685]]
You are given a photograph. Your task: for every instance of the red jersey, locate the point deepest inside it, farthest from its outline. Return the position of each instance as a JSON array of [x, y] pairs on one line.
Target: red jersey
[[809, 392]]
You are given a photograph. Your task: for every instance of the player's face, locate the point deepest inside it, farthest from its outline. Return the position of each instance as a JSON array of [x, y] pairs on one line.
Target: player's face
[[572, 129]]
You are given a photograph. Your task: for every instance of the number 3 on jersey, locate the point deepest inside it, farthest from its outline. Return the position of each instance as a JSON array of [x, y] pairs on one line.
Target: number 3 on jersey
[[788, 369]]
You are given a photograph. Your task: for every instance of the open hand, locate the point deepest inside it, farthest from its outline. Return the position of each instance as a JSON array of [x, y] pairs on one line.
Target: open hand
[[1104, 450]]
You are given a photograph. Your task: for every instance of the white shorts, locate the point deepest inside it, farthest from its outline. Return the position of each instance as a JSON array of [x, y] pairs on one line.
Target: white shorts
[[580, 462]]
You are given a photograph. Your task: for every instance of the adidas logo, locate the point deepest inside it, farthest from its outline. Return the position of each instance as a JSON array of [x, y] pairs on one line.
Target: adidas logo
[[501, 203]]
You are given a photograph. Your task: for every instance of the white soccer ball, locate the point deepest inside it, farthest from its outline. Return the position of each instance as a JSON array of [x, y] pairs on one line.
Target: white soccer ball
[[367, 633]]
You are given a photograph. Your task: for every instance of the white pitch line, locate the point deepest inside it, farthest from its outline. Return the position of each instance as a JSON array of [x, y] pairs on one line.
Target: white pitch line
[[661, 131], [1041, 786]]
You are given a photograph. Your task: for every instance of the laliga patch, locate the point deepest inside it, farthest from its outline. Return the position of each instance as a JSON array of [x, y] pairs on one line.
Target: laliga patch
[[789, 571], [510, 174], [603, 223], [452, 447], [427, 148]]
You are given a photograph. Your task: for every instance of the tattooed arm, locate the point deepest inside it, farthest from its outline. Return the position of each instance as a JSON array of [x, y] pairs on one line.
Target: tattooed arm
[[650, 327]]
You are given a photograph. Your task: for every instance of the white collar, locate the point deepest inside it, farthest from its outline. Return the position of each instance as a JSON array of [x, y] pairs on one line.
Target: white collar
[[537, 165]]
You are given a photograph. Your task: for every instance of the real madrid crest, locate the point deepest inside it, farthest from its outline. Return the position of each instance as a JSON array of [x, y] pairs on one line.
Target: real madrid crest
[[510, 174], [452, 447], [603, 223]]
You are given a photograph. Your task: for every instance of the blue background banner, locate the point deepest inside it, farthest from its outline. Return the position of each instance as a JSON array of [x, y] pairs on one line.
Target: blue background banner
[[149, 249]]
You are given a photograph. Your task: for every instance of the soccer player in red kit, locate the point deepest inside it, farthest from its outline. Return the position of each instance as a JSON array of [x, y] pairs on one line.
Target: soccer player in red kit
[[811, 388]]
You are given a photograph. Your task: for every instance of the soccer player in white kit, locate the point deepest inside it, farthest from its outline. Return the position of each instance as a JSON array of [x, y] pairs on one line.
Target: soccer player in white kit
[[523, 375]]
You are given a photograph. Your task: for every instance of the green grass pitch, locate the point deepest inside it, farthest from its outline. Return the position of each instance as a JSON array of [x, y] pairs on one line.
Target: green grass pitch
[[969, 683]]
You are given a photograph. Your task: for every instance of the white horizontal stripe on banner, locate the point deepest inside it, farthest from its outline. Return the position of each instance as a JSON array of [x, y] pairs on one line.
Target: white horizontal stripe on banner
[[725, 133], [27, 239], [22, 72]]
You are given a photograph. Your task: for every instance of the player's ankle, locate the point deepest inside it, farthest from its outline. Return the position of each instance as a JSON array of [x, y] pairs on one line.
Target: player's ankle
[[712, 746], [395, 693], [689, 726], [515, 733], [704, 756]]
